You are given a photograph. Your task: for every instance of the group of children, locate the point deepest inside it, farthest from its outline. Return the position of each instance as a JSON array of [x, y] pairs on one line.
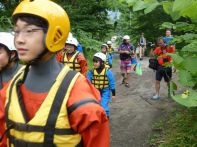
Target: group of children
[[100, 76]]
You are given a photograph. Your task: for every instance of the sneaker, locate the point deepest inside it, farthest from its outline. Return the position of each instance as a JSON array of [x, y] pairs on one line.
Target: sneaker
[[127, 85], [155, 97]]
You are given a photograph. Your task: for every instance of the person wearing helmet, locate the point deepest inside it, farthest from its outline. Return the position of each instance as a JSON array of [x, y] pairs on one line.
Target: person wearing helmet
[[142, 42], [104, 50], [8, 59], [79, 46], [110, 49], [71, 57], [125, 50], [47, 103], [102, 78]]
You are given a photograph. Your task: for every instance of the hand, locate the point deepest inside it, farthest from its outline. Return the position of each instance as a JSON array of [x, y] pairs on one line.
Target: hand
[[113, 98], [127, 52]]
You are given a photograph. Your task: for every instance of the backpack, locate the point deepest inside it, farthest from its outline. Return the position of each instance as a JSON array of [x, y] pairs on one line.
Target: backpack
[[153, 64]]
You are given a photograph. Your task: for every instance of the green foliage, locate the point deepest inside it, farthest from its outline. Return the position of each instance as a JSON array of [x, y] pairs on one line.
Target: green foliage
[[89, 16], [188, 99], [178, 130], [181, 129], [5, 23], [150, 5]]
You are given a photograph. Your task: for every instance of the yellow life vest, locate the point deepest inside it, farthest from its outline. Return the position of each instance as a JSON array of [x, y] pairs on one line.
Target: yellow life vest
[[72, 63], [100, 81], [110, 49], [107, 61], [50, 126]]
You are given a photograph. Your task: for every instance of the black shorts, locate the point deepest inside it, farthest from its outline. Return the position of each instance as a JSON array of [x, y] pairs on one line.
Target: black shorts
[[165, 72]]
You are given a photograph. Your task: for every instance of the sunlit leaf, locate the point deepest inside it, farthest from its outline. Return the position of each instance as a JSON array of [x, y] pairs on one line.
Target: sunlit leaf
[[151, 8], [175, 15], [180, 5], [167, 6], [139, 5], [177, 59], [190, 64], [184, 26], [168, 25], [186, 78], [190, 11], [189, 101], [192, 47], [131, 2]]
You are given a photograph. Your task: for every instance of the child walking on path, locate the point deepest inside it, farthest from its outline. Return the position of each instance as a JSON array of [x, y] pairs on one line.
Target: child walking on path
[[102, 78], [71, 57], [104, 50]]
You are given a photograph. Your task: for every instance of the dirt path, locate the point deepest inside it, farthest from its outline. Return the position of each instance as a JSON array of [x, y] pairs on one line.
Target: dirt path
[[134, 113]]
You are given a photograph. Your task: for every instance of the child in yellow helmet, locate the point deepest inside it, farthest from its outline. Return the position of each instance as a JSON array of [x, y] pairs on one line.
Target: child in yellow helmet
[[48, 104]]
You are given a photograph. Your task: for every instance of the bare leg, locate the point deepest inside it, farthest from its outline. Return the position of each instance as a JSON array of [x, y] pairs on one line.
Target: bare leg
[[123, 76], [140, 52], [157, 87], [127, 78]]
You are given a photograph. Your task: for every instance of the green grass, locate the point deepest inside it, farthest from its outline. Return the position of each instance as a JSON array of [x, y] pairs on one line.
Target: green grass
[[179, 131]]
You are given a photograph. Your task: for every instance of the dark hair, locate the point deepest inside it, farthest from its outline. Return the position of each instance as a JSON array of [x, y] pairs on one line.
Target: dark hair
[[160, 38], [5, 47], [31, 19], [9, 52], [97, 59]]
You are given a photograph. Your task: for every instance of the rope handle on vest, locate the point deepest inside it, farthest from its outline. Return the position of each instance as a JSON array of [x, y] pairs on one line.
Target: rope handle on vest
[[5, 132]]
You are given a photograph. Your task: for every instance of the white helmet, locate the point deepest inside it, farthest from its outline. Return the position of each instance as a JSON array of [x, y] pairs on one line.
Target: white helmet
[[70, 35], [101, 56], [109, 42], [7, 39], [72, 40], [104, 45], [126, 37]]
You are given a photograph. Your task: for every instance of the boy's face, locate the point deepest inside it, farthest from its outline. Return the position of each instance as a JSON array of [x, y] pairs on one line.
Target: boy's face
[[103, 50], [29, 40], [168, 33], [96, 63], [69, 48], [4, 58]]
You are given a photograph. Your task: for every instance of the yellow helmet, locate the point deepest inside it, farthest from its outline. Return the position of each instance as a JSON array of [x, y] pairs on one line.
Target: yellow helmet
[[57, 18]]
